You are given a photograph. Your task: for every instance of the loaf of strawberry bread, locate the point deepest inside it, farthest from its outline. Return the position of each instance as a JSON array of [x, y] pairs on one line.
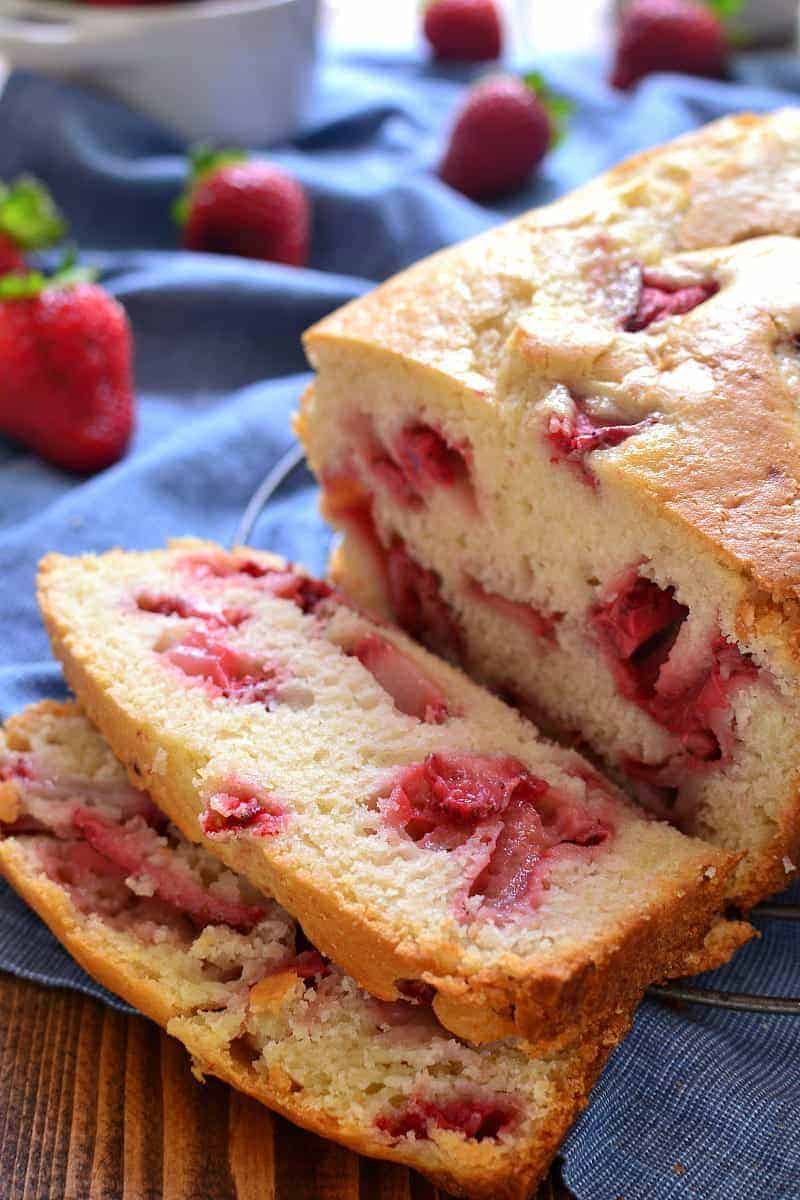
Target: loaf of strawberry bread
[[566, 455], [421, 832], [227, 972]]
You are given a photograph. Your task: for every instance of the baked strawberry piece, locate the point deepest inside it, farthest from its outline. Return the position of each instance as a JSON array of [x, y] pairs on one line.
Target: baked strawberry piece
[[232, 976], [621, 372], [347, 771]]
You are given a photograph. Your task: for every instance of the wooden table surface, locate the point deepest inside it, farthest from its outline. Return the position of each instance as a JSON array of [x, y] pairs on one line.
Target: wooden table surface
[[96, 1105]]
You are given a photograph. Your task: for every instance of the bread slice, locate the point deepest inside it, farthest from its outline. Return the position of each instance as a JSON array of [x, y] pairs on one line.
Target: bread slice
[[569, 448], [416, 826], [224, 970]]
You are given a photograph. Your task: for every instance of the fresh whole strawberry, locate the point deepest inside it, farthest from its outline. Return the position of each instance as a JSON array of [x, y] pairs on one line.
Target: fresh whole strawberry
[[237, 205], [66, 386], [464, 30], [668, 35], [501, 133], [29, 220]]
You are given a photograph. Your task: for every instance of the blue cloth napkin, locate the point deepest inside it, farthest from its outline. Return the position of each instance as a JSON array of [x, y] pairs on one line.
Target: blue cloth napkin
[[696, 1105]]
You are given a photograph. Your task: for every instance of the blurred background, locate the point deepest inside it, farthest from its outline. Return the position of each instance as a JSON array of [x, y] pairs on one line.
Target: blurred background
[[242, 69], [546, 27]]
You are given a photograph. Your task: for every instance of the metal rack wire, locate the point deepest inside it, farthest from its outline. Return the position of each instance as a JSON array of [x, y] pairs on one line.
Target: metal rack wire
[[708, 997]]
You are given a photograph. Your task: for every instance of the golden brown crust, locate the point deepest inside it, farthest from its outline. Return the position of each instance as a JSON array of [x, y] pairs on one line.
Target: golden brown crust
[[728, 471], [549, 1009], [719, 947]]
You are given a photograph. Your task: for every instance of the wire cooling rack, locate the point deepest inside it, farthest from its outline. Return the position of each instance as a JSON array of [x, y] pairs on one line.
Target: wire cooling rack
[[710, 997]]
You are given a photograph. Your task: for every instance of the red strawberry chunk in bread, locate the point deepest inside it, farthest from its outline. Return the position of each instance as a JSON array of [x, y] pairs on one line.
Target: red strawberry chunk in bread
[[697, 708], [302, 590], [136, 849], [574, 435], [513, 858], [310, 964], [476, 1119], [227, 672], [505, 822], [428, 460], [286, 583], [49, 802], [540, 624], [637, 625], [418, 605], [418, 460], [16, 766], [347, 503], [240, 810], [386, 472], [659, 299], [167, 605], [470, 787], [412, 691]]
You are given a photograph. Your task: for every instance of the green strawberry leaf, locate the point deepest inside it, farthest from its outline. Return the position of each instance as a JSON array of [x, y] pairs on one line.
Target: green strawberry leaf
[[559, 109], [725, 9], [203, 160], [727, 13], [30, 284], [28, 214]]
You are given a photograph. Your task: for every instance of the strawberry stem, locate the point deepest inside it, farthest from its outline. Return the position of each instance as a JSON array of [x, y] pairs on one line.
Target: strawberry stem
[[558, 108], [31, 284], [203, 159], [724, 9], [28, 214]]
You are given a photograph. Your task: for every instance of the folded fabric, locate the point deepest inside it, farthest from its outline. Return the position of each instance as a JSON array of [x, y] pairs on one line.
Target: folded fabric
[[697, 1103]]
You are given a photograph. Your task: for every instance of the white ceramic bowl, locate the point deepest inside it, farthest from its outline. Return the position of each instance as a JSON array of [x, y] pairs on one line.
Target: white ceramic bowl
[[224, 70]]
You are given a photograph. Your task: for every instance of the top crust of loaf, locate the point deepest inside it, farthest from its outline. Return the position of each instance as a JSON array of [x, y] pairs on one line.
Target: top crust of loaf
[[542, 300]]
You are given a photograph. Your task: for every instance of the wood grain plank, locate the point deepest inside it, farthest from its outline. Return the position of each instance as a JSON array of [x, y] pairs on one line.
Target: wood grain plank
[[84, 1108], [251, 1149], [422, 1190], [48, 1095], [143, 1160], [195, 1131], [106, 1178], [28, 1070], [309, 1168], [384, 1181], [12, 999], [55, 1170]]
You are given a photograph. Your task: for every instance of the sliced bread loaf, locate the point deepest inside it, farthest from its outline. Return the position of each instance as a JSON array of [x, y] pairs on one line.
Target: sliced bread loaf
[[166, 926], [418, 828]]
